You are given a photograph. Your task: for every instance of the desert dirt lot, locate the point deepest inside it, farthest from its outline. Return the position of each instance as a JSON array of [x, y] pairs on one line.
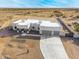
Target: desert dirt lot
[[7, 16], [20, 48], [72, 47]]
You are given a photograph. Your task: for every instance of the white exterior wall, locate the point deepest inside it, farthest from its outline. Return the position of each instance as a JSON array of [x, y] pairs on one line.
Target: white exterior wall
[[51, 28], [56, 28], [52, 32], [21, 27], [13, 26], [62, 33], [36, 26], [46, 28], [46, 32]]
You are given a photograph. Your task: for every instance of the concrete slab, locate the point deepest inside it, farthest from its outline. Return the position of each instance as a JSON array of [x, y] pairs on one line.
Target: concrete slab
[[52, 48]]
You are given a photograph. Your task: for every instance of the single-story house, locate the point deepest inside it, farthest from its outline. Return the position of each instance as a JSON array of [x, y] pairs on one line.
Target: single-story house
[[33, 26]]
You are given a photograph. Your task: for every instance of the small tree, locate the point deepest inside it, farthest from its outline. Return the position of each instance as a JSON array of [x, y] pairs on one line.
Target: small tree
[[59, 14], [76, 27]]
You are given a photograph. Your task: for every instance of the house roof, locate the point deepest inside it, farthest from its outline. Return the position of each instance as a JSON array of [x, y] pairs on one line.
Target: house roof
[[32, 21], [42, 23], [49, 24]]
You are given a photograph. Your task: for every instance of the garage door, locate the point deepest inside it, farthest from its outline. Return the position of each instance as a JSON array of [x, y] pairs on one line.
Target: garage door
[[47, 33], [56, 33]]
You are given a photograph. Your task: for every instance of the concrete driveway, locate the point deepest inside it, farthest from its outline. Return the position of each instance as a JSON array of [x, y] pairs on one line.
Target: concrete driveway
[[52, 48]]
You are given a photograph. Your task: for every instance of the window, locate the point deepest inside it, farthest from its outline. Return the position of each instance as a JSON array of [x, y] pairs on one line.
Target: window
[[38, 28], [33, 27], [15, 27]]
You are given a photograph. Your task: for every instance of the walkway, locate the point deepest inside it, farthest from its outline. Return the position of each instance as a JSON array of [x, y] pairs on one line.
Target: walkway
[[52, 48]]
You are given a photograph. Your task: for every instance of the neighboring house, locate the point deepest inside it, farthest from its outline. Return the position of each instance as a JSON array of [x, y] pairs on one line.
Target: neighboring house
[[33, 26]]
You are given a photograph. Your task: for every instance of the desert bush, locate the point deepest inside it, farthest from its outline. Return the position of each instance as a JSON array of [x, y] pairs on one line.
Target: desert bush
[[76, 26], [28, 12], [50, 15], [64, 16], [59, 14], [56, 11], [77, 16]]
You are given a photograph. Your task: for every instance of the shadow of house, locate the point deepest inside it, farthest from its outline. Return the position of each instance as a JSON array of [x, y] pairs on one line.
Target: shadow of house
[[76, 42], [72, 40], [29, 37], [7, 32], [19, 41]]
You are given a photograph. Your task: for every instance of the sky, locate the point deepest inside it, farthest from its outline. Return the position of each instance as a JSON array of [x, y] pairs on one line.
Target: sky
[[39, 3]]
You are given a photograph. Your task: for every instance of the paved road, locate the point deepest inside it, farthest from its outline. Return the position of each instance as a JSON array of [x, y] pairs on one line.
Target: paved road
[[52, 48]]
